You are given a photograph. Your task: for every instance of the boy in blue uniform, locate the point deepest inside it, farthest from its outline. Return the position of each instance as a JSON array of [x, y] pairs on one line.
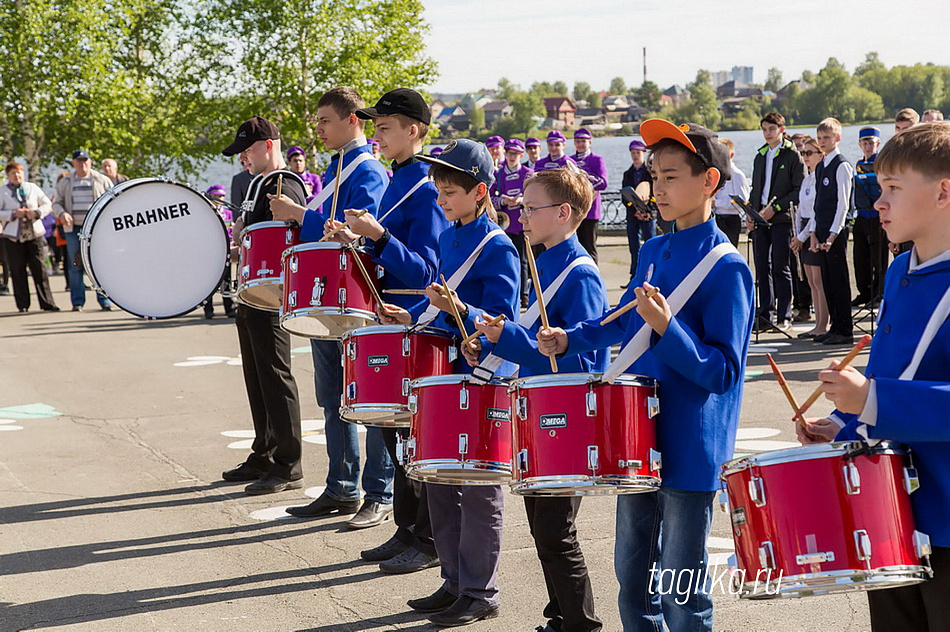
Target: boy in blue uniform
[[361, 187], [695, 344], [869, 251], [905, 391], [481, 266], [555, 203], [404, 240]]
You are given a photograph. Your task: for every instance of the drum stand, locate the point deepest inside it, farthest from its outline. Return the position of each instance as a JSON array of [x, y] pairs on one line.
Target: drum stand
[[755, 298]]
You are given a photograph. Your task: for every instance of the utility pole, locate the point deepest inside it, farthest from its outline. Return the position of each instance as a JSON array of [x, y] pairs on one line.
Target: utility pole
[[644, 64]]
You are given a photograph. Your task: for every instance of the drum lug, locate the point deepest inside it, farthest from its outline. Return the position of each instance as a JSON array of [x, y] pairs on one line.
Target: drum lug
[[653, 406], [245, 272], [815, 558], [343, 260], [463, 399], [400, 449], [292, 299], [862, 543], [757, 491], [289, 237], [632, 463], [724, 501], [410, 448], [264, 269], [523, 407], [593, 458], [656, 460], [294, 263], [351, 349], [342, 296], [406, 347], [453, 354], [380, 272], [463, 444], [351, 391], [922, 544], [767, 555], [405, 386], [413, 403], [591, 403], [852, 478], [911, 482], [84, 236], [522, 460], [246, 242]]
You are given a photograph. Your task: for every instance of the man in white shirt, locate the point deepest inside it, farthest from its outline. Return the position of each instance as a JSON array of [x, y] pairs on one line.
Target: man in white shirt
[[727, 215]]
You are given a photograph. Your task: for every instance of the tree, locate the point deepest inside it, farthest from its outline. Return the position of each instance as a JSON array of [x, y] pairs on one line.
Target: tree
[[505, 89], [525, 106], [617, 86], [871, 62], [581, 91], [477, 118], [560, 88], [595, 100], [773, 82], [703, 78], [703, 106], [648, 95], [932, 94]]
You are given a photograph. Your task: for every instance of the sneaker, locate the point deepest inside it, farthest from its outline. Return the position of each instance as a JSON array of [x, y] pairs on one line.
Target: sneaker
[[77, 308], [436, 602], [785, 325], [409, 561]]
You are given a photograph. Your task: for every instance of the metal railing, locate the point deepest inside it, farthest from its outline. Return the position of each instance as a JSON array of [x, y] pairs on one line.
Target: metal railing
[[614, 219]]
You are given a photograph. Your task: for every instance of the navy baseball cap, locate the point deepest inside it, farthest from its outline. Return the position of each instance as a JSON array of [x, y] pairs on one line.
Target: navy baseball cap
[[80, 154], [696, 138], [468, 157]]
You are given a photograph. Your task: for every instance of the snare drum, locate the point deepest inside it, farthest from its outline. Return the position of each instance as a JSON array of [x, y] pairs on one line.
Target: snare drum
[[259, 274], [824, 518], [575, 435], [325, 294], [156, 248], [378, 365], [460, 432]]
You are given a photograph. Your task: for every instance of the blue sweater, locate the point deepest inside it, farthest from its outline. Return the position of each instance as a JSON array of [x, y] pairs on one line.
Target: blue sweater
[[699, 361], [912, 411], [409, 250], [363, 189], [582, 297], [491, 286]]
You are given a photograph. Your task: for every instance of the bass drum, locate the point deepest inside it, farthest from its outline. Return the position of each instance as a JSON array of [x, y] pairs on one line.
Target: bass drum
[[156, 248]]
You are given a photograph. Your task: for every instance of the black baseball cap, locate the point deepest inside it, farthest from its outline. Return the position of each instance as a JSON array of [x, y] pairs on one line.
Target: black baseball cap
[[701, 141], [399, 101], [251, 131]]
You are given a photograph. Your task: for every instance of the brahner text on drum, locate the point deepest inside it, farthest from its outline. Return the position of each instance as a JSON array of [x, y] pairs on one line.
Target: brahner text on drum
[[160, 214]]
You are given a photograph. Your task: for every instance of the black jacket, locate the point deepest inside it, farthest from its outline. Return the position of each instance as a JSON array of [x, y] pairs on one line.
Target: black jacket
[[788, 172]]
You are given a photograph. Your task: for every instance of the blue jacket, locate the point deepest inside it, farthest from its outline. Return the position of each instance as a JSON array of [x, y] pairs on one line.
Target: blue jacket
[[582, 297], [866, 189], [913, 411], [699, 361], [363, 189], [409, 250], [491, 286]]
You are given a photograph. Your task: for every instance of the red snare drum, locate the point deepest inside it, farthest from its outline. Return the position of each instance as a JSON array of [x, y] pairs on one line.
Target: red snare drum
[[460, 431], [575, 435], [325, 294], [824, 518], [378, 365], [259, 277]]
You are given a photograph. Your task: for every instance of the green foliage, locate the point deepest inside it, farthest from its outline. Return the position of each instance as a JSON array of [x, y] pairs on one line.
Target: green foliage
[[560, 88], [582, 91], [477, 119], [747, 118], [871, 62], [773, 82], [703, 78], [506, 89], [595, 100], [525, 106], [648, 95], [617, 86]]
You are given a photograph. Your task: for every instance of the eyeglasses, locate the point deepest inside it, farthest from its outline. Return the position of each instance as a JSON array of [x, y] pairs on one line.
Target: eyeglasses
[[528, 212], [810, 152]]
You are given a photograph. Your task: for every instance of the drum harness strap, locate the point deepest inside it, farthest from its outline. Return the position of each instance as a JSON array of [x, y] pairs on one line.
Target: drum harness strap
[[485, 370], [409, 193], [254, 190], [329, 187], [640, 342]]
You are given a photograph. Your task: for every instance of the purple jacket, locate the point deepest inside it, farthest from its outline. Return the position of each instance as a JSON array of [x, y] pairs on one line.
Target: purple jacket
[[510, 183], [313, 181], [596, 168], [550, 163]]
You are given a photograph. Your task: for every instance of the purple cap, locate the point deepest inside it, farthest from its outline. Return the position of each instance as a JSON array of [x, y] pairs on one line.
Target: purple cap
[[372, 141], [514, 144], [583, 133], [532, 142], [556, 137], [436, 151], [216, 189], [638, 144], [494, 141], [293, 151]]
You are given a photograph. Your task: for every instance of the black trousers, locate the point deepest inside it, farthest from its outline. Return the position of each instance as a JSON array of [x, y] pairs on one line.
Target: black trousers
[[836, 279], [587, 235], [570, 597], [917, 608], [773, 271], [23, 255], [410, 505], [271, 392], [518, 240], [731, 225], [801, 291], [870, 256]]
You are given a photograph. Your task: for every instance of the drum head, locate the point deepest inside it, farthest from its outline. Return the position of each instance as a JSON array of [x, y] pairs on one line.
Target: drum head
[[157, 249]]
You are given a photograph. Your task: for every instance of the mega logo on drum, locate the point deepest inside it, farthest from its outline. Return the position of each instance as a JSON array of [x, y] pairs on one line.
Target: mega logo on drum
[[378, 360], [498, 414], [160, 214], [553, 421]]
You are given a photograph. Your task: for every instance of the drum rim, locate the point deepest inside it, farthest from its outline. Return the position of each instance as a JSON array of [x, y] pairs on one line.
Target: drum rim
[[456, 378], [805, 453], [580, 379], [899, 575], [320, 245], [394, 329], [267, 224]]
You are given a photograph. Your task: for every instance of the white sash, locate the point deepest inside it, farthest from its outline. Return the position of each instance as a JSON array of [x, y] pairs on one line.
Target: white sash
[[937, 319], [330, 186], [415, 188], [676, 300], [254, 188], [453, 281], [491, 362]]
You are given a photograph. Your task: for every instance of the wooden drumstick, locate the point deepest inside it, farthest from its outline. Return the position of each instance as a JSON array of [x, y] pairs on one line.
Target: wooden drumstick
[[848, 359], [491, 323], [799, 420], [336, 186], [539, 294], [280, 184], [369, 279], [455, 309], [408, 291], [626, 308], [342, 226]]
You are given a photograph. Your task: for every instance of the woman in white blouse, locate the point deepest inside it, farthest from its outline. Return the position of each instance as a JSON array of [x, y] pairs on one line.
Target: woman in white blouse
[[801, 242]]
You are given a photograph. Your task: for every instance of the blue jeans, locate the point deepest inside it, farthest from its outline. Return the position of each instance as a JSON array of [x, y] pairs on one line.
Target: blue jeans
[[660, 560], [637, 230], [77, 287], [343, 447]]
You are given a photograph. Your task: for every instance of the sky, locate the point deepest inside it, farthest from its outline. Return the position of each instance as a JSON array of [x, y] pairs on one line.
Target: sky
[[477, 43]]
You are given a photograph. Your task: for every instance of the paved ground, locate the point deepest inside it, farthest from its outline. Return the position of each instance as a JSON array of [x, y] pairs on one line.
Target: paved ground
[[113, 434]]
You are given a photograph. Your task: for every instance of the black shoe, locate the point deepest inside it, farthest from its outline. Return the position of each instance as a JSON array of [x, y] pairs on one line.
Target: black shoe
[[385, 551], [105, 308], [243, 473], [324, 506], [762, 326], [370, 514], [209, 315], [51, 309], [808, 334], [271, 484], [436, 602], [860, 301], [838, 339], [465, 610], [409, 561], [231, 313], [24, 310], [821, 337], [803, 316]]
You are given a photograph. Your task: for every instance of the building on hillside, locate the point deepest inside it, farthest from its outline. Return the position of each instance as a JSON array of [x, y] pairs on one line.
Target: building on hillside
[[615, 103], [674, 95], [737, 89], [720, 77], [586, 117], [436, 108], [743, 74], [494, 111], [634, 114], [561, 109], [471, 101]]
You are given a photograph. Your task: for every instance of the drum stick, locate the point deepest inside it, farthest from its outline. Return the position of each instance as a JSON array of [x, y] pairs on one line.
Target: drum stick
[[800, 421], [491, 323], [626, 308], [455, 309], [369, 279], [408, 292], [537, 291], [848, 359], [342, 226], [336, 186], [280, 184]]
